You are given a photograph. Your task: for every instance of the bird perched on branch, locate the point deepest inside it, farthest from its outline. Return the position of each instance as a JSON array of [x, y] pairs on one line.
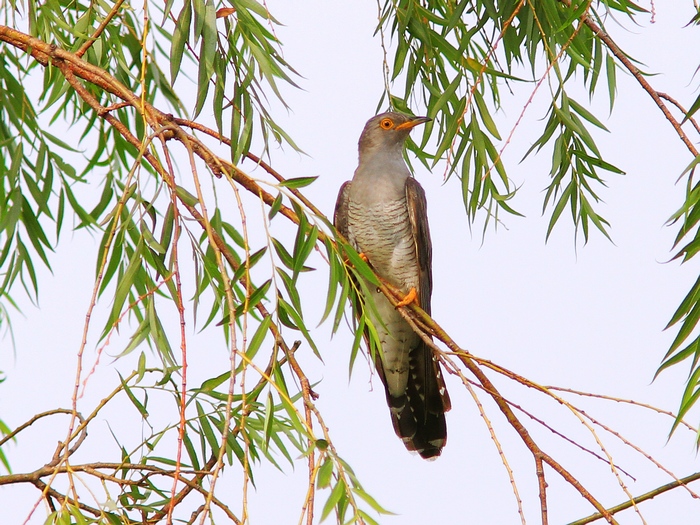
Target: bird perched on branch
[[382, 214]]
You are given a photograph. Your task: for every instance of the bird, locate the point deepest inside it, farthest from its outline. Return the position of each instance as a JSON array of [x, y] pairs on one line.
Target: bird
[[382, 214]]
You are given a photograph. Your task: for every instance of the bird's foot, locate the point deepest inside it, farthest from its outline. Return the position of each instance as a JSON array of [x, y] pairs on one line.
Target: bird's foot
[[408, 299], [346, 260]]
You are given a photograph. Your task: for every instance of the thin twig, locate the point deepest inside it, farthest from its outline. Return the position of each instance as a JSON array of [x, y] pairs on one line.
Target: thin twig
[[31, 421], [639, 499], [467, 359], [100, 29], [542, 484], [627, 401], [681, 108], [308, 395], [451, 368], [553, 62], [637, 74], [254, 158], [70, 65]]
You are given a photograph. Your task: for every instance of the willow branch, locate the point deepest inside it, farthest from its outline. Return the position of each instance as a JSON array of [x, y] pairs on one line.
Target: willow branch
[[100, 29], [257, 160], [93, 469], [53, 493], [33, 420], [637, 74], [681, 109], [639, 499], [72, 66], [308, 395], [466, 358]]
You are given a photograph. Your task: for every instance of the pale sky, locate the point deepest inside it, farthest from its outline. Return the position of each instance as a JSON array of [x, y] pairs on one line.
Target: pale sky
[[587, 317]]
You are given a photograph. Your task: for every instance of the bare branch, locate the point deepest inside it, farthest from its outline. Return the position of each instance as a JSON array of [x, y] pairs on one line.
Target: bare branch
[[639, 499]]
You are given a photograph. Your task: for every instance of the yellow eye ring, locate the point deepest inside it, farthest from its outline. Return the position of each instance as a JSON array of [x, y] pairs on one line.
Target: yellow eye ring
[[387, 123]]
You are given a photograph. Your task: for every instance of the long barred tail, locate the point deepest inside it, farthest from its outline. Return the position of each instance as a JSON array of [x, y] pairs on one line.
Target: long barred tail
[[418, 415]]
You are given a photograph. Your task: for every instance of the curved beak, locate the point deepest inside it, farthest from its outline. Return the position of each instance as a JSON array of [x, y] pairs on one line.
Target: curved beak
[[415, 121]]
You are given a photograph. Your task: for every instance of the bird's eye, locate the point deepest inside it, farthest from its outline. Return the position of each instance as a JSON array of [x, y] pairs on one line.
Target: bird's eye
[[387, 123]]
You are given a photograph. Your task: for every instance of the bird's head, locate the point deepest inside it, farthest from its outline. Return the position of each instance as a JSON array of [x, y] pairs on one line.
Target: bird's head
[[388, 131]]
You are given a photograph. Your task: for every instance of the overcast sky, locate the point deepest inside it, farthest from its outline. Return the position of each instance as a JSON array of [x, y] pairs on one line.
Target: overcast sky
[[587, 317]]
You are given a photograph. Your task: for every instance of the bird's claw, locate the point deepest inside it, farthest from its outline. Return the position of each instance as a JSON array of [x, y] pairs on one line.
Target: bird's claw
[[408, 299]]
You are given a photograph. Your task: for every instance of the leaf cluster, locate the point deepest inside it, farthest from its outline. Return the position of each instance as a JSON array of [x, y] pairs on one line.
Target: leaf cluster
[[455, 58], [158, 229]]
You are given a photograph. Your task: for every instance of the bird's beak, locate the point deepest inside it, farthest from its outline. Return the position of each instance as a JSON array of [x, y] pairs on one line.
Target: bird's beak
[[410, 124]]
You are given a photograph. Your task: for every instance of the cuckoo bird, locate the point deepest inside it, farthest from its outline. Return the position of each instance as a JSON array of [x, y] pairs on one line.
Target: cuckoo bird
[[382, 214]]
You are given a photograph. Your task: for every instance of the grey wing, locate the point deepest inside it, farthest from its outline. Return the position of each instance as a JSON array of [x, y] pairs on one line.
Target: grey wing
[[426, 390], [340, 216], [418, 215]]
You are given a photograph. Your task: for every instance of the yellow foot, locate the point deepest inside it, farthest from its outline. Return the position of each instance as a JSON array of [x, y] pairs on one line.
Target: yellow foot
[[410, 297], [346, 260]]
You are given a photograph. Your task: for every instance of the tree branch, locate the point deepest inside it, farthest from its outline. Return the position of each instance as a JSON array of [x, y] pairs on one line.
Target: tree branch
[[637, 74], [644, 497]]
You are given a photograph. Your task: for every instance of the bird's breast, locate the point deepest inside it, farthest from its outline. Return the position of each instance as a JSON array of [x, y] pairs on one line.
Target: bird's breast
[[382, 231]]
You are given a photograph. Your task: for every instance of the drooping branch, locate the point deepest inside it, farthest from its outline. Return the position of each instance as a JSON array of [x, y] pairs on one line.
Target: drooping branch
[[95, 469], [100, 29], [639, 499], [34, 419], [166, 128], [429, 326], [637, 74], [170, 129]]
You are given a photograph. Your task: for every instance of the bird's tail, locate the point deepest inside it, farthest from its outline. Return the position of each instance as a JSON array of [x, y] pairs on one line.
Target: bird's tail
[[418, 415]]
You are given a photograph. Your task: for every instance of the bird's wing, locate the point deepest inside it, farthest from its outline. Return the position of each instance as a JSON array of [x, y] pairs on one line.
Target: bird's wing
[[418, 215], [340, 217], [426, 390]]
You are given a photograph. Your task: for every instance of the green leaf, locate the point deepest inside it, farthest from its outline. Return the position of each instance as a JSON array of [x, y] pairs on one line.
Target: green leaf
[[445, 95], [291, 288], [578, 108], [611, 70], [285, 308], [359, 264], [35, 232], [323, 478], [139, 406], [563, 200], [691, 298], [210, 384], [207, 54], [691, 166], [77, 515], [335, 275], [283, 254], [269, 418], [191, 452], [258, 294], [180, 37], [126, 282], [258, 337], [693, 109], [276, 206], [486, 116], [207, 429], [138, 337], [337, 496], [370, 500], [186, 196], [298, 182], [303, 249]]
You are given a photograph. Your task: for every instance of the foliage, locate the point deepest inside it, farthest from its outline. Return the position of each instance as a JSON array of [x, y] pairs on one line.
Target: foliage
[[456, 57], [104, 78]]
